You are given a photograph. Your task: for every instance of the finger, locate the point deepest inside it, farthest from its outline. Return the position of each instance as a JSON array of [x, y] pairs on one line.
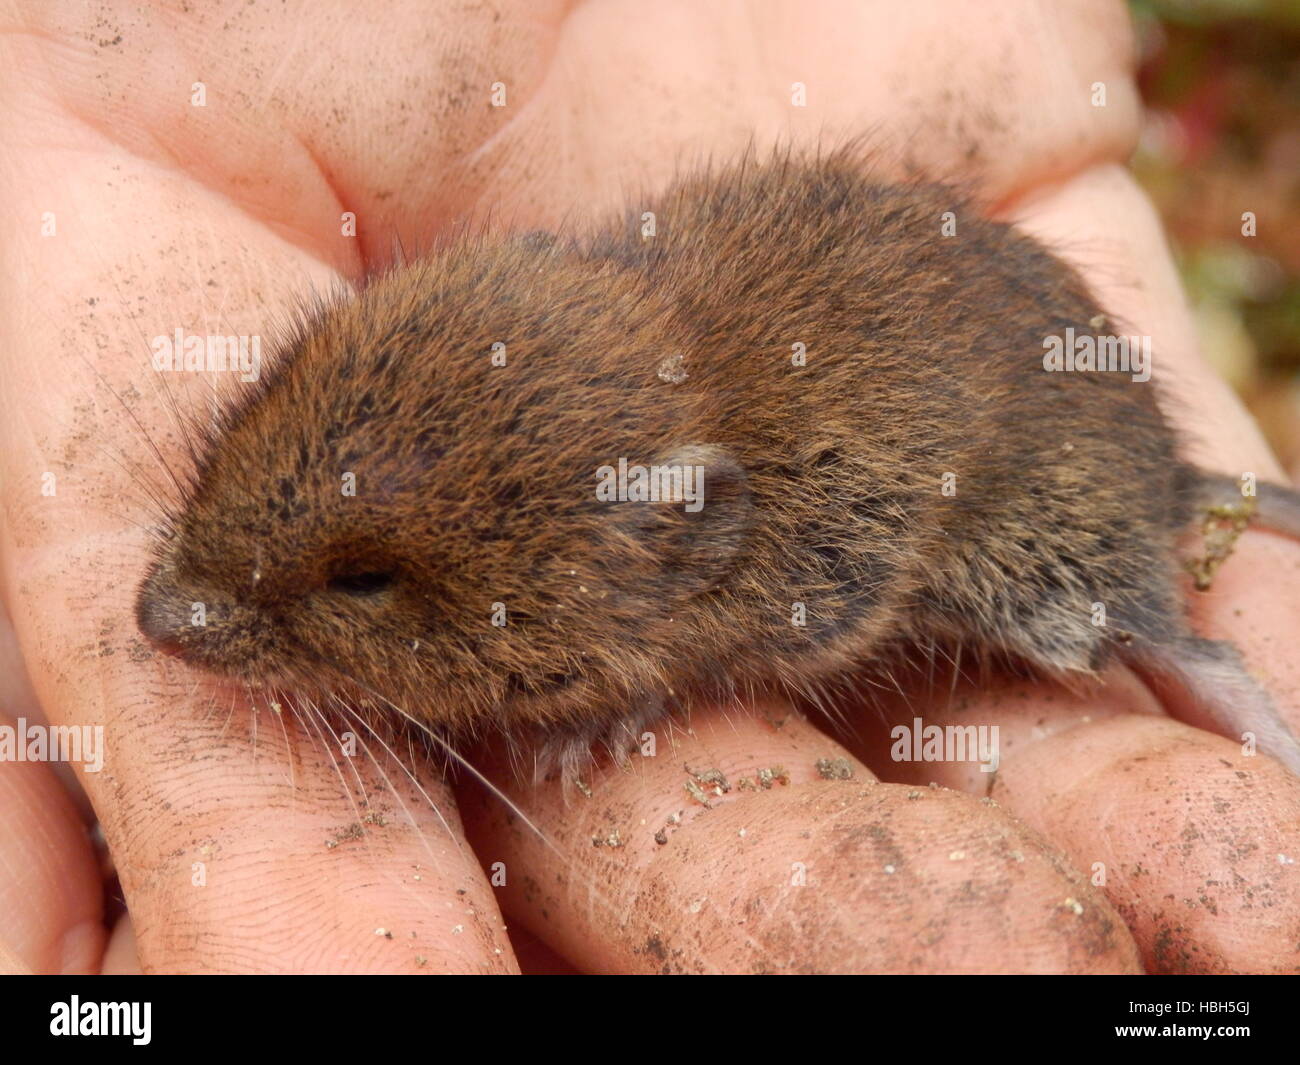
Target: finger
[[297, 126], [121, 958], [993, 716], [11, 964], [51, 891], [51, 895], [1194, 843], [1148, 808], [221, 827], [829, 871], [916, 78]]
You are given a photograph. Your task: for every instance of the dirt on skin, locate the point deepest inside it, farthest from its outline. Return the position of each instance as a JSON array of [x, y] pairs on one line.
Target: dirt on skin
[[1220, 530]]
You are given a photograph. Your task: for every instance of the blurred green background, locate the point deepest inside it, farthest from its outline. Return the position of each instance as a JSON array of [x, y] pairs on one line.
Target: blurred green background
[[1221, 83]]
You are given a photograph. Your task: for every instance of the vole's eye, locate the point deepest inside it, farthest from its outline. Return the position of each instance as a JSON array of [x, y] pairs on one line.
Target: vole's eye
[[361, 583]]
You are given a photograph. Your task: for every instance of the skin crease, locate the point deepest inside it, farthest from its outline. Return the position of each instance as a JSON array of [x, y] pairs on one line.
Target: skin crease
[[218, 218]]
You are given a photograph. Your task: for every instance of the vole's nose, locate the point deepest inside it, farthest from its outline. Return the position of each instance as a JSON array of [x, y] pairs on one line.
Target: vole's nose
[[159, 613]]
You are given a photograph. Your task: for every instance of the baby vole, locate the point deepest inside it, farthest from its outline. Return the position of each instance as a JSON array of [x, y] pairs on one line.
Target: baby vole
[[422, 506]]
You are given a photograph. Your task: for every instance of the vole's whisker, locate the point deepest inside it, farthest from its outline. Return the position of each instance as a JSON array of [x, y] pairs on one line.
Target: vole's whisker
[[321, 721], [156, 500], [317, 720], [273, 699], [407, 772], [230, 716], [135, 420], [451, 751]]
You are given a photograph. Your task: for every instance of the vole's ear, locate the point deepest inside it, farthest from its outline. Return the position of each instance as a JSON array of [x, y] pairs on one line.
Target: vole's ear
[[689, 510]]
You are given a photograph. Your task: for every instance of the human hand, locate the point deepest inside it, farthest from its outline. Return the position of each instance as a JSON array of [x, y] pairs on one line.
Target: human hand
[[217, 218]]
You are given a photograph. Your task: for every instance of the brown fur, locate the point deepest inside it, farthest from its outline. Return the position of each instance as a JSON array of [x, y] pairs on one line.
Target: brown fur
[[476, 484]]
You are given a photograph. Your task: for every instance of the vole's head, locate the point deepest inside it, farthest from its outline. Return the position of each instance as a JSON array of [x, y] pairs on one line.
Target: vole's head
[[411, 508]]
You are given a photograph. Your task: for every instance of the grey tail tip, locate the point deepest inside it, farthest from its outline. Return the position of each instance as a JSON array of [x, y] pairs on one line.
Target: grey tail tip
[[1277, 507], [1207, 680]]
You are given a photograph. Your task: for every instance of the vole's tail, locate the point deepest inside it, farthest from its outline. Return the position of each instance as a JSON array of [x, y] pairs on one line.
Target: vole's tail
[[1206, 684], [1226, 507], [1206, 679], [1271, 506]]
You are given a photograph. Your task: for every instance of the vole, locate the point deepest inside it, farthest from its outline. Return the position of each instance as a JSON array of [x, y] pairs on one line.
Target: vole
[[430, 504]]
